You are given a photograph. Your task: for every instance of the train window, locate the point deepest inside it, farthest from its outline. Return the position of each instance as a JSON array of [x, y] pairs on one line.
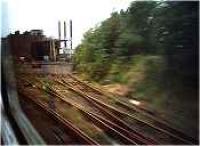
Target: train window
[[100, 72]]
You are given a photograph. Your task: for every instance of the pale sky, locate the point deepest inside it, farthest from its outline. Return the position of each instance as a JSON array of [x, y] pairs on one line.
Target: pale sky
[[44, 14]]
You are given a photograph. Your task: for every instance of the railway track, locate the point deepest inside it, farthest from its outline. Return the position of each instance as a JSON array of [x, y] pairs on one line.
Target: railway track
[[60, 131], [150, 120], [129, 108], [110, 116], [110, 128], [96, 98], [112, 121], [118, 123]]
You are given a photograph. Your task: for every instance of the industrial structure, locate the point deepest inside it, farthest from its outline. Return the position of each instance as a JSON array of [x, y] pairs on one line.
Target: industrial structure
[[65, 40], [35, 46]]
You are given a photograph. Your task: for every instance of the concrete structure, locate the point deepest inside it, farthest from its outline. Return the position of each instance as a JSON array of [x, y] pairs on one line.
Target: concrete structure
[[48, 67]]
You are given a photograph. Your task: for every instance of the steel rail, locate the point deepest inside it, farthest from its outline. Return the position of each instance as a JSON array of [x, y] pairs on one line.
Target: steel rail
[[125, 134], [116, 120], [95, 120], [84, 137], [159, 122], [111, 108], [123, 130], [104, 125]]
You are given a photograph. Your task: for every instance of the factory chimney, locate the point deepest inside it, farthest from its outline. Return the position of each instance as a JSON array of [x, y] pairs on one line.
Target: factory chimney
[[59, 30], [71, 33], [65, 34]]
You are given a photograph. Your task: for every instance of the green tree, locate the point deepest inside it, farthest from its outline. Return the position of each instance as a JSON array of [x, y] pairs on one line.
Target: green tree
[[178, 35]]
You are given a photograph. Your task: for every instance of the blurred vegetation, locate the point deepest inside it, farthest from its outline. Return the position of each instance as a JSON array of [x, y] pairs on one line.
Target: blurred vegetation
[[152, 47]]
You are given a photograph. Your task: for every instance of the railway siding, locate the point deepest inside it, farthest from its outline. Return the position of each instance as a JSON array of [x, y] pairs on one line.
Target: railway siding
[[118, 116]]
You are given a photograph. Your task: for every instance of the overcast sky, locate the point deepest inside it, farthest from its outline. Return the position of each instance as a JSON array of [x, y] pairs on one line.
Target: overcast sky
[[44, 14]]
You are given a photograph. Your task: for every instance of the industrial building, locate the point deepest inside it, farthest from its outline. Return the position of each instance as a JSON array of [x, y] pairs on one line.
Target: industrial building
[[32, 46], [35, 46]]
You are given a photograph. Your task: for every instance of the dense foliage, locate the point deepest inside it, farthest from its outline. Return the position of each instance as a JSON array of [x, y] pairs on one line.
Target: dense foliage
[[152, 47], [169, 29]]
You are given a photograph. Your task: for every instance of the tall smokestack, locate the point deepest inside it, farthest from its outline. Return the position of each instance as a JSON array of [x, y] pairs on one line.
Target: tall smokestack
[[65, 33], [71, 32], [59, 30]]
